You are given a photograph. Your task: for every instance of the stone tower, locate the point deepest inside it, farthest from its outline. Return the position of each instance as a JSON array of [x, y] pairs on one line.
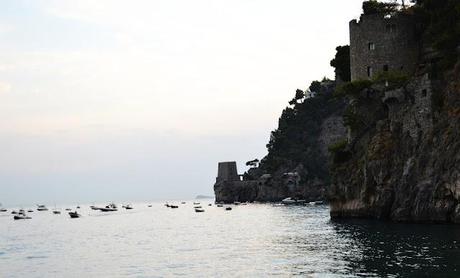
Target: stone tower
[[382, 43], [227, 172]]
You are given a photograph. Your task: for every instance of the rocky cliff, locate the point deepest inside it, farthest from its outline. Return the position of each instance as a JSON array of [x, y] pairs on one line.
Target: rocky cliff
[[402, 160]]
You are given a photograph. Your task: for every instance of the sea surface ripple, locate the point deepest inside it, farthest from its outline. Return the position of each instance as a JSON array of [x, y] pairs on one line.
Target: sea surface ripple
[[254, 240]]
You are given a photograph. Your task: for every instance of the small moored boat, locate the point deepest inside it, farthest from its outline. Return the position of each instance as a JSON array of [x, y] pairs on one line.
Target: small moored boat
[[42, 208], [228, 208], [21, 216], [129, 206], [74, 214], [109, 207], [199, 210]]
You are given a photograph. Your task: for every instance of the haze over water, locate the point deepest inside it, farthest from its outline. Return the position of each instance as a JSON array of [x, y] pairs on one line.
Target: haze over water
[[249, 241]]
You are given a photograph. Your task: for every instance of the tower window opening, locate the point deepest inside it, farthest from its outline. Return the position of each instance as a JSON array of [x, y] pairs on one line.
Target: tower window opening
[[371, 46], [424, 93], [369, 71], [385, 68]]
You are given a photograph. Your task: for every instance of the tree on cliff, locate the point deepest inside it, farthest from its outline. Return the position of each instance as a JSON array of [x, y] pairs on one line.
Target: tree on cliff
[[341, 63], [441, 22], [299, 95]]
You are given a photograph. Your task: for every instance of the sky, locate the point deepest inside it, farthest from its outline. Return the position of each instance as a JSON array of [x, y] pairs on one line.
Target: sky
[[117, 100]]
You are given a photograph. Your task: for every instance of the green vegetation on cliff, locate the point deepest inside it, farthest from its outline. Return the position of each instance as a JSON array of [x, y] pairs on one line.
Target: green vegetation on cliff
[[295, 140]]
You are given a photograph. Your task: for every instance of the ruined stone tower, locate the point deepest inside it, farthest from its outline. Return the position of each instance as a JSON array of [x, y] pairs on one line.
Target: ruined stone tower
[[382, 43]]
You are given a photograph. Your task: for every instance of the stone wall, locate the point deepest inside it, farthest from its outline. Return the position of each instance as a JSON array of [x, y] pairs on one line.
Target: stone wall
[[382, 43]]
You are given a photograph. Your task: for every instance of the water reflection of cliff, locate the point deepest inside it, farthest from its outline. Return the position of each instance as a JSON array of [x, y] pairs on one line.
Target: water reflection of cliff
[[306, 242], [400, 250]]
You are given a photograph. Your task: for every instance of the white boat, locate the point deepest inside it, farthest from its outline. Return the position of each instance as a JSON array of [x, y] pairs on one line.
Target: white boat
[[128, 206], [109, 207], [292, 201], [42, 208]]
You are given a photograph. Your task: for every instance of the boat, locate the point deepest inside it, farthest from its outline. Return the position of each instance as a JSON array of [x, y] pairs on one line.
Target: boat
[[30, 210], [167, 205], [14, 212], [219, 205], [199, 210], [196, 203], [292, 201], [183, 203], [21, 217], [68, 209], [3, 210], [316, 203], [209, 205], [149, 206], [56, 212], [197, 207], [74, 214], [94, 208], [21, 211], [228, 208], [236, 203], [41, 208], [78, 207], [129, 206], [174, 206], [109, 207]]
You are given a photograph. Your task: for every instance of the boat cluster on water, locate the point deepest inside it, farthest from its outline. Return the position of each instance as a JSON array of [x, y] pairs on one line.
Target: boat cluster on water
[[73, 213], [198, 207], [294, 201]]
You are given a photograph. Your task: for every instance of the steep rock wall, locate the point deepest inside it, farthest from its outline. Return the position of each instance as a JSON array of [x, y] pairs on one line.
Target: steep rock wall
[[405, 165]]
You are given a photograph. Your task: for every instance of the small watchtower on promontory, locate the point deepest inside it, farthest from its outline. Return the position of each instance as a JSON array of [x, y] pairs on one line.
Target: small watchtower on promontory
[[381, 42], [227, 172]]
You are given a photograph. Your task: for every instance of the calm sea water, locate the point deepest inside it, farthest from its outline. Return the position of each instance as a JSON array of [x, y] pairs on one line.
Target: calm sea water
[[249, 241]]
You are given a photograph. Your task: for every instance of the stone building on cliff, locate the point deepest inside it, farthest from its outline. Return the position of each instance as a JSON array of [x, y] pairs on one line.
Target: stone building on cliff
[[380, 42]]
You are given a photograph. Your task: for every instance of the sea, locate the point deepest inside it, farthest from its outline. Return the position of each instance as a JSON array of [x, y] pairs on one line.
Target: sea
[[253, 240]]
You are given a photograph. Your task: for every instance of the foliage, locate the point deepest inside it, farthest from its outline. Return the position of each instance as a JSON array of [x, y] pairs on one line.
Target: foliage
[[351, 119], [315, 86], [295, 142], [252, 163], [392, 79], [352, 88], [299, 95], [338, 146], [339, 151], [375, 7], [341, 62], [440, 20]]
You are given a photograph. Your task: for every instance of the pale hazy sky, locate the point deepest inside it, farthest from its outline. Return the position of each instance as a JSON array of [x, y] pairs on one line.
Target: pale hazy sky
[[137, 100]]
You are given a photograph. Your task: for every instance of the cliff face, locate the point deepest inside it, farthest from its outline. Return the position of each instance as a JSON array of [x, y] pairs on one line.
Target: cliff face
[[297, 164], [402, 161]]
